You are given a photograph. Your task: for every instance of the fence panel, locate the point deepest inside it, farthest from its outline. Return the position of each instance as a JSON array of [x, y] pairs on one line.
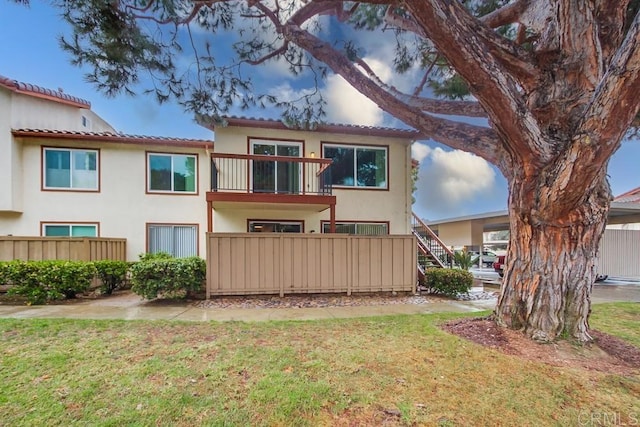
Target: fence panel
[[620, 254], [62, 248], [283, 263]]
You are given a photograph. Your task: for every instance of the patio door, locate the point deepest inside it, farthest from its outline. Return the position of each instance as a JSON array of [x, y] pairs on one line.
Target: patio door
[[276, 176]]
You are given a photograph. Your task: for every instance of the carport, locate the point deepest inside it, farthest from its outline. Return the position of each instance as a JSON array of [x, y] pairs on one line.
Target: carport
[[468, 230]]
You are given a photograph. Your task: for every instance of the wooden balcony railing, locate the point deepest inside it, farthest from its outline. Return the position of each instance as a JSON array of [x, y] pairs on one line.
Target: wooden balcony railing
[[246, 173]]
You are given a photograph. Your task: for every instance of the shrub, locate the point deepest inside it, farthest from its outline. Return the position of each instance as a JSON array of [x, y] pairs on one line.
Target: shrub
[[448, 282], [464, 259], [154, 256], [170, 277], [43, 281], [4, 273], [112, 274]]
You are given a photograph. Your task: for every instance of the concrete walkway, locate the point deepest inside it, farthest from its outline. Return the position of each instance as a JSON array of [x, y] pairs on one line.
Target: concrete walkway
[[132, 307]]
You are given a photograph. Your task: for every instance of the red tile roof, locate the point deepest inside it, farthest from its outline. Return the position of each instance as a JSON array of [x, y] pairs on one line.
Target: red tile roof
[[323, 127], [40, 92], [632, 196], [113, 137]]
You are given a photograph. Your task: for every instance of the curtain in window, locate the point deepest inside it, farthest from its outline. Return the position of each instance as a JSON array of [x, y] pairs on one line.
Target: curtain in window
[[371, 229], [184, 241], [179, 241]]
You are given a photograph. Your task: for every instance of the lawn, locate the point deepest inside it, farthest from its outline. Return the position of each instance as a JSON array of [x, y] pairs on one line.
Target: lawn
[[388, 370]]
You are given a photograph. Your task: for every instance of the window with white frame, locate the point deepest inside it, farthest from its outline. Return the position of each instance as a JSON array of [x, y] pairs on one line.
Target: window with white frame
[[357, 166], [177, 240], [362, 228], [69, 230], [172, 173], [70, 169]]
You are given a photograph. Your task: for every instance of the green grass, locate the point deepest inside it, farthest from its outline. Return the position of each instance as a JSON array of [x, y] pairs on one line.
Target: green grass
[[619, 319], [396, 370]]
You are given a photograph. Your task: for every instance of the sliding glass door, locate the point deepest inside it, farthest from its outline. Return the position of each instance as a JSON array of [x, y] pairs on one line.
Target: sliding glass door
[[276, 176]]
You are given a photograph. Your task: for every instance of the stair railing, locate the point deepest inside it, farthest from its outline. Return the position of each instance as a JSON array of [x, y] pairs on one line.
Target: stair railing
[[429, 242]]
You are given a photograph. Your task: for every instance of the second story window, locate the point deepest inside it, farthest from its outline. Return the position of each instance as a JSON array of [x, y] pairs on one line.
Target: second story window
[[171, 173], [70, 169], [357, 166]]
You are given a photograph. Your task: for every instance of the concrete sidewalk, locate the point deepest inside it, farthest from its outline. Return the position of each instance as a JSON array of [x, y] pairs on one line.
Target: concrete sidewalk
[[132, 307], [121, 308]]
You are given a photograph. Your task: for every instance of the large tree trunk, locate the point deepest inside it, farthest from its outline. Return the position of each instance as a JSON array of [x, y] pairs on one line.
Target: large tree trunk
[[551, 265]]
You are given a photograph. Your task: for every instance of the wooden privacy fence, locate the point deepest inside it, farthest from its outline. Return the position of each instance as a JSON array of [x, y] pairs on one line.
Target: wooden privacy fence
[[283, 263], [620, 254], [63, 248]]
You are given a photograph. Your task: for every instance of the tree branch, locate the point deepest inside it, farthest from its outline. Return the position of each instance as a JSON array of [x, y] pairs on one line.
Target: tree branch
[[449, 25], [614, 107], [429, 105], [475, 139], [508, 14]]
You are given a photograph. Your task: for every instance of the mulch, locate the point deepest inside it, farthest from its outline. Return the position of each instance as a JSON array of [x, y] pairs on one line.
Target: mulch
[[606, 353]]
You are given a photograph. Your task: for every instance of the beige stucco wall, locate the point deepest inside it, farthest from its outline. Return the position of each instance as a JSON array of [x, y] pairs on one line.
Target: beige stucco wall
[[21, 111], [9, 180], [393, 205], [122, 208], [31, 112], [456, 234]]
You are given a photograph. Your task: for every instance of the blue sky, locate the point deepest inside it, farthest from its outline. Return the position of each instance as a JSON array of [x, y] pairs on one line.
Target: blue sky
[[452, 183]]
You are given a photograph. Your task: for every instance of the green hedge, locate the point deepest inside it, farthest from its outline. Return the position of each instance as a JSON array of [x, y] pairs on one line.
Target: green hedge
[[43, 281], [168, 277], [447, 281], [4, 273], [112, 274]]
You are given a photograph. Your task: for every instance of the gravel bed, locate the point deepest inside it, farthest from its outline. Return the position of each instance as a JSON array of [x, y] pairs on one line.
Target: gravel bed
[[307, 301]]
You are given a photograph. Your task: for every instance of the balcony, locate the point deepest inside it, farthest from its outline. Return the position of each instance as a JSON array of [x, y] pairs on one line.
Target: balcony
[[264, 182]]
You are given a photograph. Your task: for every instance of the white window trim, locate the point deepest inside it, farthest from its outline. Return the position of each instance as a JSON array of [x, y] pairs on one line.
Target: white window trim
[[355, 164], [71, 169], [44, 226], [172, 191]]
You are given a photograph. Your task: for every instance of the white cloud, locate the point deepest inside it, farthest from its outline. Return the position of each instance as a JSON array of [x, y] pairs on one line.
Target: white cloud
[[451, 179], [420, 151], [348, 106]]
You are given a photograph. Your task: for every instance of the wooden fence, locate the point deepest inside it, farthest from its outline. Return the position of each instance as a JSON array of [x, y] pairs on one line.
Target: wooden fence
[[64, 248], [620, 254], [283, 263]]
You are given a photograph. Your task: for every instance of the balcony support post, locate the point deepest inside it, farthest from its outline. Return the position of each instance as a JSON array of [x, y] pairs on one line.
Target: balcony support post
[[210, 217], [332, 218]]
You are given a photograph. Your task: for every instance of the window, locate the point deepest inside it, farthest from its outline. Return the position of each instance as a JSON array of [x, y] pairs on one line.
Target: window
[[178, 240], [257, 226], [171, 173], [362, 228], [70, 169], [70, 230], [278, 176], [356, 166]]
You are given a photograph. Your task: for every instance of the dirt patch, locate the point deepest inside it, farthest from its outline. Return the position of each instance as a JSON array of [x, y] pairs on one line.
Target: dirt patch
[[606, 354]]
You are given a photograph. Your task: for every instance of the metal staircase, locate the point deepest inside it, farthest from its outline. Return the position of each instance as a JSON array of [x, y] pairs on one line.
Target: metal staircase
[[432, 253]]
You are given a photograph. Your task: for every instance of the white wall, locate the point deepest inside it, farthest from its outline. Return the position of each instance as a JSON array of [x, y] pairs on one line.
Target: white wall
[[122, 208], [393, 205]]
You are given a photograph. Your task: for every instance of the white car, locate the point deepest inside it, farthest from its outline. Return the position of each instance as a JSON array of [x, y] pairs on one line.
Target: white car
[[488, 258]]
